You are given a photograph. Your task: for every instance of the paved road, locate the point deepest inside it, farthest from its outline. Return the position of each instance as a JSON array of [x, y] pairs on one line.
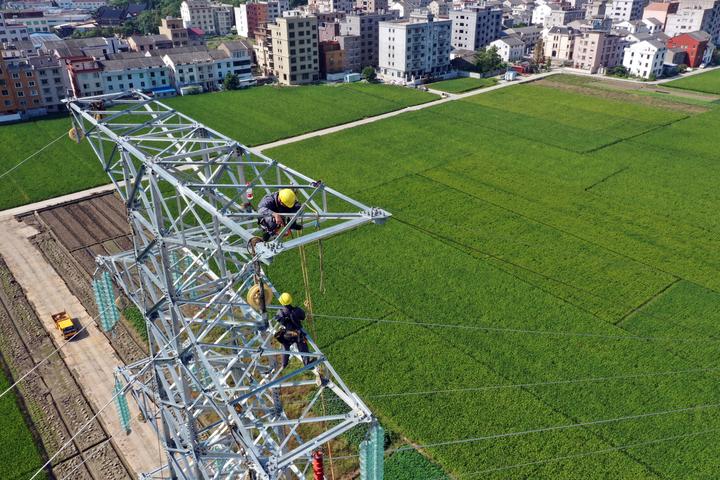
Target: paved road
[[91, 358]]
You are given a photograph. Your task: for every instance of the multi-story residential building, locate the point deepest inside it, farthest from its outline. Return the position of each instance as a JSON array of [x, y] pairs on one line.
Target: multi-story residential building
[[413, 48], [626, 10], [559, 43], [596, 8], [295, 50], [85, 75], [698, 47], [254, 14], [263, 51], [174, 30], [645, 59], [366, 26], [350, 45], [198, 13], [559, 16], [19, 86], [212, 18], [144, 73], [475, 27], [595, 51], [371, 6], [40, 22], [89, 5], [224, 18], [146, 43], [694, 15], [332, 58], [240, 54], [529, 35], [203, 69], [542, 9], [11, 32], [53, 81], [95, 47], [439, 8], [660, 11], [510, 48], [249, 17]]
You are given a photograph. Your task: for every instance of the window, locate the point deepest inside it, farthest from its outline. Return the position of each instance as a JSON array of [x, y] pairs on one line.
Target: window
[[20, 94], [28, 74]]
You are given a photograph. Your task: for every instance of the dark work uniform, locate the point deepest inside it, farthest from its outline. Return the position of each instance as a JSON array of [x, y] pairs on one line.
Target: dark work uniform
[[291, 332], [271, 204]]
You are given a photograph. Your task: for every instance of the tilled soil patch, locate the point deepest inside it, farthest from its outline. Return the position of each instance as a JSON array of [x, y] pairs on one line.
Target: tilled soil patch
[[54, 400]]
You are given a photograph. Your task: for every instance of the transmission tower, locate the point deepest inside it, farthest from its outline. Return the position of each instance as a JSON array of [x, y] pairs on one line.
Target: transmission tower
[[212, 387]]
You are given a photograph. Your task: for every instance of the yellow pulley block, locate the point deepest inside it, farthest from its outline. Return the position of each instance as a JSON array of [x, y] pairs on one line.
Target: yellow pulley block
[[75, 134], [253, 296]]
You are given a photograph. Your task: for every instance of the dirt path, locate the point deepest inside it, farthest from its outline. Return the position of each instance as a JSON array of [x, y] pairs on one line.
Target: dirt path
[[91, 359]]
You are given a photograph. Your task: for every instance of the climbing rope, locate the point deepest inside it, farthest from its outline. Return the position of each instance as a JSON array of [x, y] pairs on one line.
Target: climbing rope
[[309, 308]]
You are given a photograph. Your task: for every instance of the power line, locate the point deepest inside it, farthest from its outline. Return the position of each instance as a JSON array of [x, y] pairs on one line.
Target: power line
[[26, 374], [558, 333], [543, 429], [540, 384], [586, 454], [11, 169]]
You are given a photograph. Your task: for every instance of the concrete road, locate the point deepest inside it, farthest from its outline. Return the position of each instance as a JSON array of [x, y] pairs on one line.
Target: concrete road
[[91, 358]]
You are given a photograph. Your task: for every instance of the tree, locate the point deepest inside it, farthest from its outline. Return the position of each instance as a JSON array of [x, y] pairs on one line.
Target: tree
[[617, 71], [369, 74], [682, 68], [231, 82], [539, 52], [488, 60], [148, 21]]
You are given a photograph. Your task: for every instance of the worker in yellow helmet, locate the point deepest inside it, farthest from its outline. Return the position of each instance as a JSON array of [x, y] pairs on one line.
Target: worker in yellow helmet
[[275, 209], [290, 319]]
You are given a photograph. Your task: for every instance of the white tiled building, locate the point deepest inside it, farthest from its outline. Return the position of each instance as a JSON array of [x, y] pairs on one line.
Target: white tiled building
[[413, 48], [204, 69], [645, 59], [510, 48], [212, 18], [621, 10], [146, 73]]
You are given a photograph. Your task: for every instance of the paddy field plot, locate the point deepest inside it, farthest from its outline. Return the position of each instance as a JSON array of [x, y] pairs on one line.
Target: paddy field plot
[[252, 116], [561, 253]]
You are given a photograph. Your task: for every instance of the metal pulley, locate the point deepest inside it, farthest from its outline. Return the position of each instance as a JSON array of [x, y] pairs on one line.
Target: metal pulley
[[253, 296], [75, 134]]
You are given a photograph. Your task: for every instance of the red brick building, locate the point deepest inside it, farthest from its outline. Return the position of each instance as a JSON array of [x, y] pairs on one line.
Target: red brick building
[[695, 45], [332, 58]]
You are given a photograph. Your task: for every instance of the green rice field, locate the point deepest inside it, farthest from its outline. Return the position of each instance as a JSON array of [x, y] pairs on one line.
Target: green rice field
[[20, 459], [254, 116], [708, 82], [545, 301], [555, 253]]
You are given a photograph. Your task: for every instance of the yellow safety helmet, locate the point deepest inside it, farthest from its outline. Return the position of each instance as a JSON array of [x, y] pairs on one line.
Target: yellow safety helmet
[[287, 197], [285, 299]]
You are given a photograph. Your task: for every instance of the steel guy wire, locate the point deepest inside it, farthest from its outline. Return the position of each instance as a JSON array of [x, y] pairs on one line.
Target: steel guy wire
[[544, 429], [13, 168], [586, 454], [559, 333], [62, 345]]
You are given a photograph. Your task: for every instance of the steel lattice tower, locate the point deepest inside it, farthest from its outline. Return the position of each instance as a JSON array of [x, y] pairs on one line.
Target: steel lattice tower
[[212, 387]]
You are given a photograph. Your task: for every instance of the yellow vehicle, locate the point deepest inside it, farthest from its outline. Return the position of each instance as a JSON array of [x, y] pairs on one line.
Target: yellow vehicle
[[65, 324]]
